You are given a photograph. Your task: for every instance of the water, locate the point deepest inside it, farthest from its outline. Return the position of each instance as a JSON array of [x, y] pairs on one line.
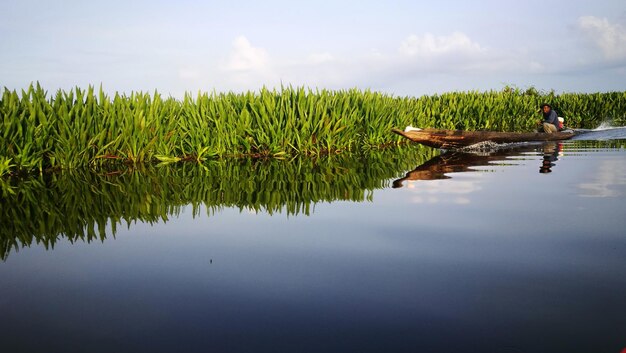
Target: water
[[518, 251]]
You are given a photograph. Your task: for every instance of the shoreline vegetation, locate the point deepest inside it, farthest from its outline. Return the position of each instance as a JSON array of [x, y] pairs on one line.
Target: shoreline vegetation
[[88, 128]]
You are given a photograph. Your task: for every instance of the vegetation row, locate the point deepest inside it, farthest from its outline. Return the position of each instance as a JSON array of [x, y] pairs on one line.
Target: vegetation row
[[86, 127]]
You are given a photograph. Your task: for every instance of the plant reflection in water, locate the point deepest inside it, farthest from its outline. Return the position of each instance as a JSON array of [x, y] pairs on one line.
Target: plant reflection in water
[[82, 205]]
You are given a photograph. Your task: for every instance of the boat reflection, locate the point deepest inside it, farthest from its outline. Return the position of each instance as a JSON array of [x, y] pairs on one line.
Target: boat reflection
[[457, 162]]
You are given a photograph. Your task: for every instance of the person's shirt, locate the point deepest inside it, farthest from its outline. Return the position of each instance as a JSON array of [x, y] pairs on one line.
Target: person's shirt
[[551, 118]]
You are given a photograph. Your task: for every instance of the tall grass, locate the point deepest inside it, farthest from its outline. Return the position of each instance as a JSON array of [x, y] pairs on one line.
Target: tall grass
[[85, 127]]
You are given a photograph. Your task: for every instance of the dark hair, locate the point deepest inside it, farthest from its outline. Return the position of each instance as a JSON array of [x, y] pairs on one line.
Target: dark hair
[[545, 105]]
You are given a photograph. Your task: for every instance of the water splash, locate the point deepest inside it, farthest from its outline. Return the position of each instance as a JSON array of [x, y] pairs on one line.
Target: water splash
[[606, 125], [606, 131], [490, 146]]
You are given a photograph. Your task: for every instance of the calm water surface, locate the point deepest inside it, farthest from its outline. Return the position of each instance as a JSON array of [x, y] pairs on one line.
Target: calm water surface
[[468, 253]]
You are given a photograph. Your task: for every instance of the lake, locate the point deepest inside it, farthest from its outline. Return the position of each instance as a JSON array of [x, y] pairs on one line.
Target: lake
[[518, 250]]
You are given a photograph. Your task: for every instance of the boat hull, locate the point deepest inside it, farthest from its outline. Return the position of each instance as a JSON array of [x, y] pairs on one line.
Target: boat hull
[[453, 139]]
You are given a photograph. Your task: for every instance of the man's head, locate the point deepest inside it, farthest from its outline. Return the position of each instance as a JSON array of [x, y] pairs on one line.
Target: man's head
[[545, 107]]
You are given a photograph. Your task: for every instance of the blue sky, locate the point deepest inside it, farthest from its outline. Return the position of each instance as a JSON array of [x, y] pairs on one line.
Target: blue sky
[[397, 47]]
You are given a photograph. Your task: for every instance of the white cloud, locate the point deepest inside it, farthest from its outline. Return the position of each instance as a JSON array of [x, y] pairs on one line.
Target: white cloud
[[429, 45], [610, 38], [245, 57], [424, 57], [417, 57], [248, 67]]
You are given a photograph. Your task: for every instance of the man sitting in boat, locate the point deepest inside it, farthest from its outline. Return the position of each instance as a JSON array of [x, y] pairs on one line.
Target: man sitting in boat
[[550, 121]]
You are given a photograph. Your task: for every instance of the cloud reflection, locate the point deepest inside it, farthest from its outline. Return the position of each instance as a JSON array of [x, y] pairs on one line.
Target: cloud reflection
[[443, 191], [609, 180]]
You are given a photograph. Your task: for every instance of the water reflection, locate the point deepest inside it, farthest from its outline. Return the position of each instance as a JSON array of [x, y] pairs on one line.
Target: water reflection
[[609, 180], [457, 162], [85, 205], [550, 155]]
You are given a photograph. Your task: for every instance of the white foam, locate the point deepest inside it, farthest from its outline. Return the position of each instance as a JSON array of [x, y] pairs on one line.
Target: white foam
[[490, 146], [484, 146], [606, 125]]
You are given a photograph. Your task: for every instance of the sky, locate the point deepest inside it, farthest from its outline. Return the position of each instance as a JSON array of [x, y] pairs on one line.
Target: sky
[[403, 48]]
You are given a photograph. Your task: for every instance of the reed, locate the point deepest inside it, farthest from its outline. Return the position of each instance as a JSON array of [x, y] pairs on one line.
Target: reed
[[85, 127]]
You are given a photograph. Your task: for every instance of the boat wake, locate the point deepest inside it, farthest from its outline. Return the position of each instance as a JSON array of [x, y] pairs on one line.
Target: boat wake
[[489, 147], [602, 133]]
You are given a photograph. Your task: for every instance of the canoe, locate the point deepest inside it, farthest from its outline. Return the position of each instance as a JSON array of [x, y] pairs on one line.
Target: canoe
[[454, 139]]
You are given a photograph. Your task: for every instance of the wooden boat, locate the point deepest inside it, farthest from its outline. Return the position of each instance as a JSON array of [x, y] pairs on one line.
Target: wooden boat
[[454, 139]]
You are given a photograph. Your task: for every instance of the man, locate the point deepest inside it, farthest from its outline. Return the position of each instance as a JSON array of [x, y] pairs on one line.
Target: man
[[550, 121]]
